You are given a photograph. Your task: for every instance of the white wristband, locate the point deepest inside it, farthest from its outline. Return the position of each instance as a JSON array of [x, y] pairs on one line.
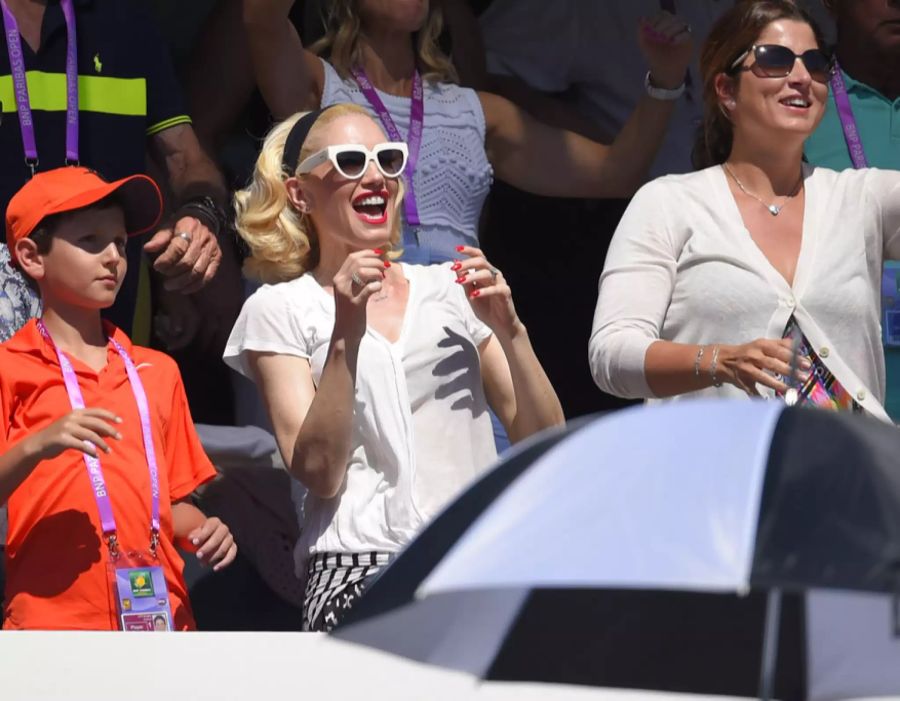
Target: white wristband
[[662, 93]]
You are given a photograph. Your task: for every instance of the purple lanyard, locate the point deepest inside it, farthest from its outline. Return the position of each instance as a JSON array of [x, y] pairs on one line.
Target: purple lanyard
[[848, 121], [416, 121], [20, 85], [95, 472]]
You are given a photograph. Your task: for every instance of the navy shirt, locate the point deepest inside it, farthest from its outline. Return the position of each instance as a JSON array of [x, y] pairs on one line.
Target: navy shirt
[[127, 92]]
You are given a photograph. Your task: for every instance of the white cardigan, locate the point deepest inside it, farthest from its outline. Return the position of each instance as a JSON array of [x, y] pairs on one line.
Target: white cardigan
[[682, 267]]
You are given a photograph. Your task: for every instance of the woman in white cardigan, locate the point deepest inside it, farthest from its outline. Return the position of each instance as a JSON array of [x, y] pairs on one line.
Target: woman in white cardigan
[[714, 279]]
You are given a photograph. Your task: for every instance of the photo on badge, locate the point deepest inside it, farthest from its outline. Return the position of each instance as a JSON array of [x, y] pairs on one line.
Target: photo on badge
[[147, 622]]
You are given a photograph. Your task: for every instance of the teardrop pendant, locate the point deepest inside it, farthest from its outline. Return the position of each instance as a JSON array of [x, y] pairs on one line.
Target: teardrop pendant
[[773, 210]]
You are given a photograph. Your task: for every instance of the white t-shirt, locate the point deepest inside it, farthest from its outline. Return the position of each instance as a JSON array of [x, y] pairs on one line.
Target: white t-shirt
[[682, 267], [421, 427]]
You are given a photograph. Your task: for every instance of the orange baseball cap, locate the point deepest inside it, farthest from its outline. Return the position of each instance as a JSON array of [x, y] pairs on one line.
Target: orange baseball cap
[[74, 187]]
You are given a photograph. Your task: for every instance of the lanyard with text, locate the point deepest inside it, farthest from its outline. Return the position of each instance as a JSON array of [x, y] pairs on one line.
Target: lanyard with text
[[95, 472], [416, 122], [848, 121], [20, 84]]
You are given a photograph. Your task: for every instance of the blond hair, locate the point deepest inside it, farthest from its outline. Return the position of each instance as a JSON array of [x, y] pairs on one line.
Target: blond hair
[[343, 27], [282, 240]]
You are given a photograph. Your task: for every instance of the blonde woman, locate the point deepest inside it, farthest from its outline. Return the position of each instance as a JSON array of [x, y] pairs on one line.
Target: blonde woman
[[383, 55], [377, 376]]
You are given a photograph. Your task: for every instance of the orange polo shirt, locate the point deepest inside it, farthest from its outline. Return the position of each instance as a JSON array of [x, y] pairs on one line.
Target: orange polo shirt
[[55, 560]]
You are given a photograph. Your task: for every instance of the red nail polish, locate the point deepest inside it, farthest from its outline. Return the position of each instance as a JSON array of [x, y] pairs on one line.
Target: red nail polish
[[475, 293], [377, 251], [460, 248], [456, 266], [460, 279], [387, 264]]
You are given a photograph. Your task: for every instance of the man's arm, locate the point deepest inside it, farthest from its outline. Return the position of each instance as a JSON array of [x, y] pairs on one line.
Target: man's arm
[[190, 261], [203, 261]]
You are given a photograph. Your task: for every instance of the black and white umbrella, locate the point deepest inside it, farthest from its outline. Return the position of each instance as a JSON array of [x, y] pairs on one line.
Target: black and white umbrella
[[652, 548]]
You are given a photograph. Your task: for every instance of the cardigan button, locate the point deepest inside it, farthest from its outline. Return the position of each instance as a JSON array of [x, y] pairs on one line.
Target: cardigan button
[[823, 352], [861, 395]]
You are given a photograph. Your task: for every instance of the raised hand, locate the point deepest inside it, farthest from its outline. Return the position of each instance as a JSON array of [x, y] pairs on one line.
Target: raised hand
[[360, 276], [667, 45], [486, 290]]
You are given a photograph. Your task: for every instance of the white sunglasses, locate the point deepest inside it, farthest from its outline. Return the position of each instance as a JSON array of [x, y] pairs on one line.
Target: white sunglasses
[[352, 160]]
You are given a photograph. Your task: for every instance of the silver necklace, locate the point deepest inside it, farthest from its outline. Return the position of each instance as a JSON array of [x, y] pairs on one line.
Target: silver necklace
[[774, 209]]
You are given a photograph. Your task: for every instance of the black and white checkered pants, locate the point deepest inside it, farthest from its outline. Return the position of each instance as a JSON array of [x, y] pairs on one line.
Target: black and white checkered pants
[[335, 581]]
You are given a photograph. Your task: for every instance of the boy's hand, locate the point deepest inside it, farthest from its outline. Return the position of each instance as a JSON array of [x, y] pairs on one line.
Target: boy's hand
[[215, 544], [77, 430]]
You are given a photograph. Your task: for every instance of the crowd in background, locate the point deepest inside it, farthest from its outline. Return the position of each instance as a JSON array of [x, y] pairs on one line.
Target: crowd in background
[[543, 122]]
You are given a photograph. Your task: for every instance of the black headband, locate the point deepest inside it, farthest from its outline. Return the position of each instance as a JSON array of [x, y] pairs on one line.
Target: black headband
[[294, 143]]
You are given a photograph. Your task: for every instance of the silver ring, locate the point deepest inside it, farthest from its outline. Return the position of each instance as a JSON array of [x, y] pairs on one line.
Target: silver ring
[[356, 278], [494, 273], [186, 235]]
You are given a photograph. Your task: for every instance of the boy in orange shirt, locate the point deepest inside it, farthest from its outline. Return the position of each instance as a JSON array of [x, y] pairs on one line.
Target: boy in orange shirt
[[98, 453]]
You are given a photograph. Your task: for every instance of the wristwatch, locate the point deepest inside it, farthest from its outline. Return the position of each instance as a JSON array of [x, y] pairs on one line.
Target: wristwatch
[[662, 93], [206, 210]]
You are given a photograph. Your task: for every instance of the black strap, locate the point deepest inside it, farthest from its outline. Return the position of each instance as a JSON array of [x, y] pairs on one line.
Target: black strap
[[294, 143]]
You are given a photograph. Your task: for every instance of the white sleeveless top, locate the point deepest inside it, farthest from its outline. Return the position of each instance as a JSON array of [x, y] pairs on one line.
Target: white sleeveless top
[[421, 427], [453, 175]]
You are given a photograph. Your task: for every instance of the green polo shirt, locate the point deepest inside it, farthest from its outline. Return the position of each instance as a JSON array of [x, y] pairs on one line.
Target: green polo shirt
[[878, 121]]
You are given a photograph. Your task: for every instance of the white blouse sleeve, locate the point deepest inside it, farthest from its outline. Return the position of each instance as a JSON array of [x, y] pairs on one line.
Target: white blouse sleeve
[[268, 324], [884, 185], [635, 291]]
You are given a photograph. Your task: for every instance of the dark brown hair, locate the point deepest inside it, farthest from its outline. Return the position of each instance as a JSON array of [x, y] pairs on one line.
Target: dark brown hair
[[734, 33]]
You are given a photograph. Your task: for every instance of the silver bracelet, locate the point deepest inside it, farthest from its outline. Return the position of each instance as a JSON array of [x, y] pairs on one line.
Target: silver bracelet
[[697, 362], [712, 367], [662, 93]]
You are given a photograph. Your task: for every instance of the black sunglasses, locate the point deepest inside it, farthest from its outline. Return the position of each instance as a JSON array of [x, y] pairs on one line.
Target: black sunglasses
[[776, 61]]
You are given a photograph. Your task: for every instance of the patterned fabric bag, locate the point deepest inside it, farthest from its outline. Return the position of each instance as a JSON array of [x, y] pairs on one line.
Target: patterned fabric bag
[[822, 389]]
